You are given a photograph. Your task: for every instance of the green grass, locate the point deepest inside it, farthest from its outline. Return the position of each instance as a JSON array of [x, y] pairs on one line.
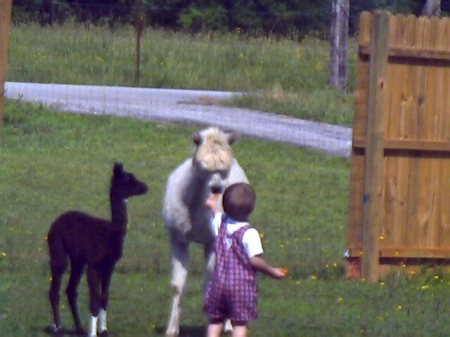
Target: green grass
[[279, 75], [51, 162]]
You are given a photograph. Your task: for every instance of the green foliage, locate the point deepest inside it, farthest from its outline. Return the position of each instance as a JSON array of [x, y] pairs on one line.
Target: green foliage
[[288, 18], [45, 12], [205, 19]]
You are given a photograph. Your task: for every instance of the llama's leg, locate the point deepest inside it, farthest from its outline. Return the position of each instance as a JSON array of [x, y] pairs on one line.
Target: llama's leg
[[57, 268], [102, 322], [76, 272], [180, 263], [94, 280], [106, 281], [210, 261]]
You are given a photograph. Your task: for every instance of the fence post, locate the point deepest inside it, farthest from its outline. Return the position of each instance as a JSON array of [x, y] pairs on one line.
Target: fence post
[[374, 165], [338, 44], [138, 25], [5, 21]]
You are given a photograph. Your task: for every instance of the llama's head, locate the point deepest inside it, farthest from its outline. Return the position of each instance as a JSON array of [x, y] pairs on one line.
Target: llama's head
[[213, 156], [125, 184]]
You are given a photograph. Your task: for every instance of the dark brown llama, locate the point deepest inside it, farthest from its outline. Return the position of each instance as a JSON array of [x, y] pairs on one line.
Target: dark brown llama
[[97, 243]]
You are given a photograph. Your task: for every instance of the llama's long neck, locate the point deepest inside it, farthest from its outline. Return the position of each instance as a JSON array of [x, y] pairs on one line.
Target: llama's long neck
[[196, 187], [119, 215]]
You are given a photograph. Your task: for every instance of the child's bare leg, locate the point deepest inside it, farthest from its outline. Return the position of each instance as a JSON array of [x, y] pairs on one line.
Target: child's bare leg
[[239, 329], [214, 329]]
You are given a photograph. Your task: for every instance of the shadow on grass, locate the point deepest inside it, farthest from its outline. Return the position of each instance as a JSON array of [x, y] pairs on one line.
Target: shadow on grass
[[66, 332], [185, 331]]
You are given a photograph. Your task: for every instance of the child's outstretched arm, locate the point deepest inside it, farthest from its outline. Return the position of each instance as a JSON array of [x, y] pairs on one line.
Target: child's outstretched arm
[[259, 264]]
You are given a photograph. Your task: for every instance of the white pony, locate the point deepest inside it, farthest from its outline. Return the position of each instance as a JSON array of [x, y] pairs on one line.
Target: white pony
[[211, 169]]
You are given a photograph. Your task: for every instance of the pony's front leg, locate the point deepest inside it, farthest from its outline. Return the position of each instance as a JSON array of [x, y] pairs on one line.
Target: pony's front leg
[[106, 282], [94, 283], [210, 261], [180, 264]]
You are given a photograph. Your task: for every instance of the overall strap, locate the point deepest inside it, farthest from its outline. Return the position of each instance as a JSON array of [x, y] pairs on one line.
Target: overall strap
[[239, 234]]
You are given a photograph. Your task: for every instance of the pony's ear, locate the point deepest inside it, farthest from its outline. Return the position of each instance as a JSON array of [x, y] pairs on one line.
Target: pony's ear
[[233, 137], [118, 168], [196, 138]]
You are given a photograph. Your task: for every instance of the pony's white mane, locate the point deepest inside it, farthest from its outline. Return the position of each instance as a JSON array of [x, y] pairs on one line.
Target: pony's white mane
[[211, 168], [213, 152]]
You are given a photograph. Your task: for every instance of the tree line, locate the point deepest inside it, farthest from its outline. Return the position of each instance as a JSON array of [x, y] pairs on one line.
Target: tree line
[[256, 17]]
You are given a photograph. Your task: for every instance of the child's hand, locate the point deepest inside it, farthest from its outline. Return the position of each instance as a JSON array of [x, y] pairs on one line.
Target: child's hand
[[279, 273]]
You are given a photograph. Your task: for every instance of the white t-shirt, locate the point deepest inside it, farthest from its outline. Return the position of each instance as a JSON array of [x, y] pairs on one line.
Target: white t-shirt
[[250, 240]]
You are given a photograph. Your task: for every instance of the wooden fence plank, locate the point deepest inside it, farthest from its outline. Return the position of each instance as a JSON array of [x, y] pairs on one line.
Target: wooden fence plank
[[408, 144], [434, 115], [359, 130], [393, 99], [413, 125], [402, 160], [444, 134], [374, 165], [413, 53]]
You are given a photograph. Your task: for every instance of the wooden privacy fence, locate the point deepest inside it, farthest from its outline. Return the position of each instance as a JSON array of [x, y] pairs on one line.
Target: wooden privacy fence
[[400, 162]]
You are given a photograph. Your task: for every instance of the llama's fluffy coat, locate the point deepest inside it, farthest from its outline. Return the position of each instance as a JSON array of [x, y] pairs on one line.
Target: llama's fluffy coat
[[210, 170]]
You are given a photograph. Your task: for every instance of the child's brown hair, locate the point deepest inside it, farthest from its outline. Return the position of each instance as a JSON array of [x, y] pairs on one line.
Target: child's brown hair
[[239, 201]]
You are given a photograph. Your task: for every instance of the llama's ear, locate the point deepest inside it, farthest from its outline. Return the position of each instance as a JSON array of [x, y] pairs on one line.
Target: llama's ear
[[196, 138], [118, 168]]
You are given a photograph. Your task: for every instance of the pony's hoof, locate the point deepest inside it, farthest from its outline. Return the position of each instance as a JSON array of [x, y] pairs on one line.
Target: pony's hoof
[[104, 333], [54, 330], [172, 333], [79, 331]]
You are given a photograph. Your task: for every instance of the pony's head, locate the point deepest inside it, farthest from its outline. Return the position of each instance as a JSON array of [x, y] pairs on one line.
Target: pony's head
[[213, 156]]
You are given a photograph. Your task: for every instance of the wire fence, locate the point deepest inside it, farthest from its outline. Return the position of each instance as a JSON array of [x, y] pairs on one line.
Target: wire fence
[[75, 54]]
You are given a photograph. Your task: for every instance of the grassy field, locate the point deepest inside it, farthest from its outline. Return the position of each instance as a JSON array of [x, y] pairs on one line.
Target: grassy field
[[278, 75], [51, 162]]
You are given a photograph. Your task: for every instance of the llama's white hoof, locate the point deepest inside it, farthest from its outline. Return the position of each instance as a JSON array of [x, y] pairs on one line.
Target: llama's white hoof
[[104, 333], [172, 333]]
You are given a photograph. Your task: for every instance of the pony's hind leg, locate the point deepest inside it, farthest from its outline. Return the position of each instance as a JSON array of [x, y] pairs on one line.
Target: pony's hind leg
[[106, 281], [94, 277], [180, 263], [77, 269], [57, 269]]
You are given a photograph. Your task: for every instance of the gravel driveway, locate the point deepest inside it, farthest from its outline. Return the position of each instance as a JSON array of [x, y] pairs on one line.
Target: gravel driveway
[[186, 106]]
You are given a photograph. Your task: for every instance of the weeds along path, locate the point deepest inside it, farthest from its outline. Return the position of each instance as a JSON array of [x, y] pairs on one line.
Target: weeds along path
[[185, 106]]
